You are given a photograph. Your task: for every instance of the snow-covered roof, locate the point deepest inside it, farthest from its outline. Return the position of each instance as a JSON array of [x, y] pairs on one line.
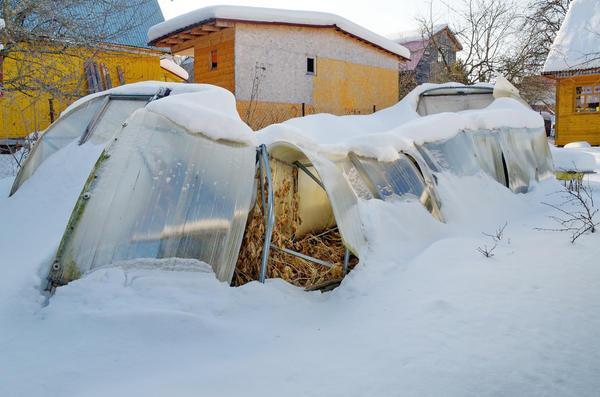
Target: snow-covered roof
[[174, 68], [272, 15], [577, 44]]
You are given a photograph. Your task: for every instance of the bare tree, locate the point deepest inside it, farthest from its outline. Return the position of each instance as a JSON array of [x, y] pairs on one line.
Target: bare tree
[[40, 34], [502, 36], [484, 28]]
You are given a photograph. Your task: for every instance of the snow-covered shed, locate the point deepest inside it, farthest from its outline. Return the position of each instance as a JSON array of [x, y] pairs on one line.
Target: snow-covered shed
[[284, 63], [574, 62]]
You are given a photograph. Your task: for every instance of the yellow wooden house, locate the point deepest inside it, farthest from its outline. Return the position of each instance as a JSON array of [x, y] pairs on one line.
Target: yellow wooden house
[[73, 73], [282, 63], [574, 62]]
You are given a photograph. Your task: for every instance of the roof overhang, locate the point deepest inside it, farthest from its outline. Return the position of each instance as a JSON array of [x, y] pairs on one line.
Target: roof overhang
[[184, 37], [571, 73]]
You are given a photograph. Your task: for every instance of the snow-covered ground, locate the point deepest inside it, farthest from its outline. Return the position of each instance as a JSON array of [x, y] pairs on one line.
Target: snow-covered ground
[[424, 314]]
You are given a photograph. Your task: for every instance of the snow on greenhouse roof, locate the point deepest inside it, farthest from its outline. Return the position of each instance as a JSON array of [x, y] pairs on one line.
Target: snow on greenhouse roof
[[385, 133], [141, 88], [211, 112], [272, 15], [576, 46], [199, 108]]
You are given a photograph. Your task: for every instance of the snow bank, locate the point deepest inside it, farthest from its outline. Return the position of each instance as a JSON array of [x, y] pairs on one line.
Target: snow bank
[[424, 313], [174, 68], [576, 44], [573, 159], [273, 15], [383, 134], [578, 145], [211, 112]]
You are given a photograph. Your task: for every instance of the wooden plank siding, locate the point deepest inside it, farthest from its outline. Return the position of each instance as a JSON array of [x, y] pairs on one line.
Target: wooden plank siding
[[24, 112], [572, 126], [224, 43]]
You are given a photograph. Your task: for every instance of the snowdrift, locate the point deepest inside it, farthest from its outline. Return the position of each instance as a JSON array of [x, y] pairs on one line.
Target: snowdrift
[[174, 173]]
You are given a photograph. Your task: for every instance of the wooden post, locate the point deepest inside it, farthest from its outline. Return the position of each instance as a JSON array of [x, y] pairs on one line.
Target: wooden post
[[303, 109], [51, 109]]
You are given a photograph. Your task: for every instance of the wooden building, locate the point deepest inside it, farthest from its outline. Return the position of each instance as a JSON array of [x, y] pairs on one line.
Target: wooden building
[[75, 72], [282, 64], [431, 53], [574, 62]]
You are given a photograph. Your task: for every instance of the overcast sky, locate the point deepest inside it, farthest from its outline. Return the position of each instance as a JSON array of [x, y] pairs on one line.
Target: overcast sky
[[382, 16]]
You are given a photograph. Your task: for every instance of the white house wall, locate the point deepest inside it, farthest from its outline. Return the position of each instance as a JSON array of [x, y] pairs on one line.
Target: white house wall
[[282, 52]]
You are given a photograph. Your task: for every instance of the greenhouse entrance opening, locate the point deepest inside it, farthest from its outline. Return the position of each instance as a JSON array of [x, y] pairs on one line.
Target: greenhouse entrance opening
[[292, 231]]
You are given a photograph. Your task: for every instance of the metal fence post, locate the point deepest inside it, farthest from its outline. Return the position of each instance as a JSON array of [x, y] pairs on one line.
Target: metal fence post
[[268, 209]]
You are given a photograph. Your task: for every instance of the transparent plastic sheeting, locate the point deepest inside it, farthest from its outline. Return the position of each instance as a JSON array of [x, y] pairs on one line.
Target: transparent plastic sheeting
[[433, 104], [388, 180], [72, 127], [160, 192], [523, 152], [64, 131], [344, 202], [488, 151]]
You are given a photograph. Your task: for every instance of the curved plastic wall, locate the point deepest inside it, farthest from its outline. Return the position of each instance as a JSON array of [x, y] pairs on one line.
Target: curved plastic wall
[[515, 157], [97, 120], [160, 192], [65, 130]]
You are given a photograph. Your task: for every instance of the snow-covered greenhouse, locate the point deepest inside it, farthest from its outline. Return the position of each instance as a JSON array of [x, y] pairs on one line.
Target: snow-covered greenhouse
[[175, 173]]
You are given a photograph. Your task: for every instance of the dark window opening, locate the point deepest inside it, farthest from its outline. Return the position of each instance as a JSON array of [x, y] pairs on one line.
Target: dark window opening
[[310, 66], [213, 60]]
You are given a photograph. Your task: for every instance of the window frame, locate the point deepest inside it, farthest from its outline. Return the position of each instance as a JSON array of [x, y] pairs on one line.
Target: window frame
[[314, 66], [595, 92], [213, 59]]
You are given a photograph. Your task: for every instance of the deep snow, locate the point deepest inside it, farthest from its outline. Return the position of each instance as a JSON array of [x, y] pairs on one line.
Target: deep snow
[[423, 315]]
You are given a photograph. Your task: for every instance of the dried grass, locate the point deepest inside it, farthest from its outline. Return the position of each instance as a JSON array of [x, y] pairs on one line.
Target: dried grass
[[327, 247]]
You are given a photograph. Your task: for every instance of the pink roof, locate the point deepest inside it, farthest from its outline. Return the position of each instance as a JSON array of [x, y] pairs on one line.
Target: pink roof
[[417, 49]]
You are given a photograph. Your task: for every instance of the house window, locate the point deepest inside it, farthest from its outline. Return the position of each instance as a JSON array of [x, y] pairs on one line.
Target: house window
[[440, 57], [214, 63], [311, 66], [587, 99]]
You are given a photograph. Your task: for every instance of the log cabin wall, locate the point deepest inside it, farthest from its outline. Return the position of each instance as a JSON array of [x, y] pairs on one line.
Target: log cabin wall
[[571, 125]]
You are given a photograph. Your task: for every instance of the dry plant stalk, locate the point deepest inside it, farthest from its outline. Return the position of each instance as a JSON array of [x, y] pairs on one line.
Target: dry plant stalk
[[577, 213], [327, 247]]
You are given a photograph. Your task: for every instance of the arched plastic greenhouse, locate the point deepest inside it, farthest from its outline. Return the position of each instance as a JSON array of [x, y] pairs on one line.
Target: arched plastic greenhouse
[[174, 173]]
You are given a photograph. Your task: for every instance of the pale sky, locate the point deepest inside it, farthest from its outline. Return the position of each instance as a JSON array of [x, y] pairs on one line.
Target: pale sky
[[381, 16]]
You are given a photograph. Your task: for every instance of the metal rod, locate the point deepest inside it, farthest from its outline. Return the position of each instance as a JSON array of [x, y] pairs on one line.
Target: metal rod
[[326, 232], [346, 260], [92, 124], [268, 209], [302, 256], [130, 97], [307, 172]]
